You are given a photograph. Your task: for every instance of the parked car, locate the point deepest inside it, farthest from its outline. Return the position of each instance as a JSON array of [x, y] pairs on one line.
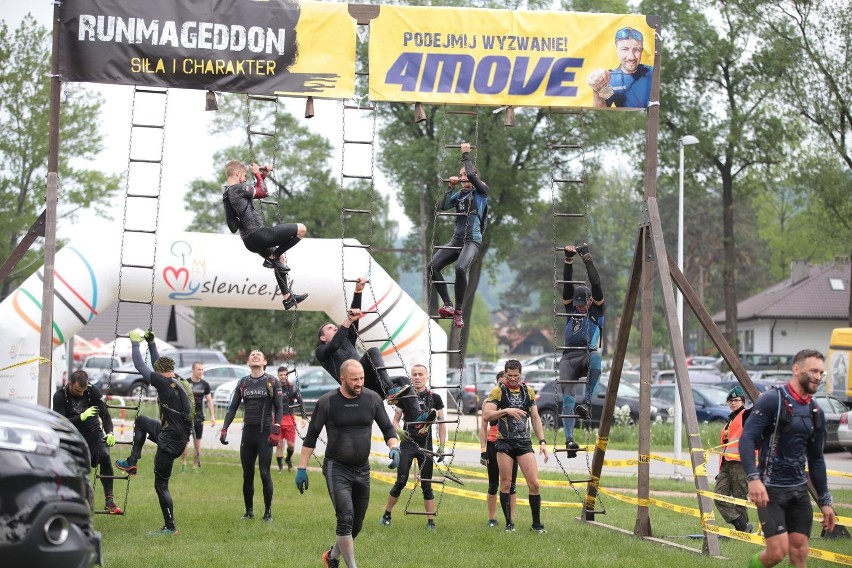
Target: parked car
[[218, 374], [760, 384], [547, 361], [696, 376], [538, 377], [833, 408], [126, 381], [45, 495], [844, 432], [759, 361], [313, 382], [549, 402], [186, 357], [702, 361], [98, 367], [710, 401], [476, 385]]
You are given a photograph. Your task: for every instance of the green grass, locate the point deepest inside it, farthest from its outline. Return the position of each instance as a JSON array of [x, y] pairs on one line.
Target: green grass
[[208, 506]]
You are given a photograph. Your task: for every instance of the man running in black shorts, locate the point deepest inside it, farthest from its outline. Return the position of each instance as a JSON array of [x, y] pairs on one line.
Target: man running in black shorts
[[347, 415], [414, 441], [789, 429], [261, 396], [269, 242], [171, 432], [337, 344], [512, 405], [201, 393], [488, 459]]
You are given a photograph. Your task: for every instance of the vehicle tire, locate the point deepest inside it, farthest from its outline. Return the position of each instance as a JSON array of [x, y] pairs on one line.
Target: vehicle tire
[[549, 420], [138, 389]]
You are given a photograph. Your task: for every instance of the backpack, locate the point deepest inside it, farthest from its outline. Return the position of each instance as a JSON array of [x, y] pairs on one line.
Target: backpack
[[188, 402], [231, 218]]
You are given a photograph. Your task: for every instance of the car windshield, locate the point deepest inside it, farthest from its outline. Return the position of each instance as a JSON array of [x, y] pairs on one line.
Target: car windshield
[[624, 389], [714, 396]]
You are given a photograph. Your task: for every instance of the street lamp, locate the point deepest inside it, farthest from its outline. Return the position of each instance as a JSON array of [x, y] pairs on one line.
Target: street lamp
[[687, 140]]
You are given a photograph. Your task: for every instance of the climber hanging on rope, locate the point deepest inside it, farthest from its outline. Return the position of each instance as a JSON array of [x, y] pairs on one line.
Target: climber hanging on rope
[[337, 344], [269, 242], [582, 337], [471, 205]]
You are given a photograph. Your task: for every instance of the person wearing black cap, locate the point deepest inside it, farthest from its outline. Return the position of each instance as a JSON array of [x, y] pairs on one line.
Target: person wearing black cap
[[731, 480], [269, 242], [337, 344], [585, 309], [171, 432]]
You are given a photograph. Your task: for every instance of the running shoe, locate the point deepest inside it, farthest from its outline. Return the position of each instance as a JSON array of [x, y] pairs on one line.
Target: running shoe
[[385, 520], [248, 515], [293, 300], [395, 393], [510, 528], [458, 320], [165, 531], [447, 310], [492, 522], [329, 561], [123, 465], [539, 529], [425, 421], [583, 410], [112, 508], [267, 516], [572, 448]]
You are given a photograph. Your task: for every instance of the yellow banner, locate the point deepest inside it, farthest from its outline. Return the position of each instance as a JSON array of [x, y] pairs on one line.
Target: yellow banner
[[499, 57], [326, 59]]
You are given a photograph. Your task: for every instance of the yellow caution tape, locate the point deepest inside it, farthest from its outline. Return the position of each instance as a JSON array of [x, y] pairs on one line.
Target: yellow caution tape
[[391, 479], [666, 459], [726, 498], [40, 360], [621, 463], [602, 443]]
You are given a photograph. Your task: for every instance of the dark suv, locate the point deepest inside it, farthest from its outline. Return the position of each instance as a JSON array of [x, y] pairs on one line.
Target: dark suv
[[45, 496], [550, 404]]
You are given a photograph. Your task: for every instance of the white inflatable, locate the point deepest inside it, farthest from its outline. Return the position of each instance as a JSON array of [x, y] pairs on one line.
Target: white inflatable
[[213, 270]]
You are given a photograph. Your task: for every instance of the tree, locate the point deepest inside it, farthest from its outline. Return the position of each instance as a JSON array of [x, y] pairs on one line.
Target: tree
[[815, 35], [24, 100], [306, 193], [712, 86]]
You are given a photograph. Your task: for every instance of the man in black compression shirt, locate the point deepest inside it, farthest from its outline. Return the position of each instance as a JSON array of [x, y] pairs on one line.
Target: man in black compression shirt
[[417, 445], [82, 404], [337, 344], [347, 415], [262, 398], [269, 242], [171, 433]]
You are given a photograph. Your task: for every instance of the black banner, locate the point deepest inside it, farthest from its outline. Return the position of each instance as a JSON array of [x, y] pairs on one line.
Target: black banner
[[222, 45]]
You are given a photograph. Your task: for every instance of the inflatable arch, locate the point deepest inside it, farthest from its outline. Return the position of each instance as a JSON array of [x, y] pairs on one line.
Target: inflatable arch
[[213, 270]]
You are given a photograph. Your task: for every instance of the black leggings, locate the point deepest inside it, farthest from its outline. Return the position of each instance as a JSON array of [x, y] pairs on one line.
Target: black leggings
[[283, 237], [99, 455], [349, 489], [170, 445], [255, 447], [463, 259], [408, 452], [494, 470]]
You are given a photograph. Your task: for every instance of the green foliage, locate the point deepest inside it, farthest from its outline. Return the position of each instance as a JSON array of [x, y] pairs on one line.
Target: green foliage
[[24, 120], [482, 342]]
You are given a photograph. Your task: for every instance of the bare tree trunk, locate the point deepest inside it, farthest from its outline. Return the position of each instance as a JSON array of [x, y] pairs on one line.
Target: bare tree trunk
[[729, 272]]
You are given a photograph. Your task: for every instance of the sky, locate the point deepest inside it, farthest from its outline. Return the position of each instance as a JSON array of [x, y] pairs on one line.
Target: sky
[[189, 147]]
